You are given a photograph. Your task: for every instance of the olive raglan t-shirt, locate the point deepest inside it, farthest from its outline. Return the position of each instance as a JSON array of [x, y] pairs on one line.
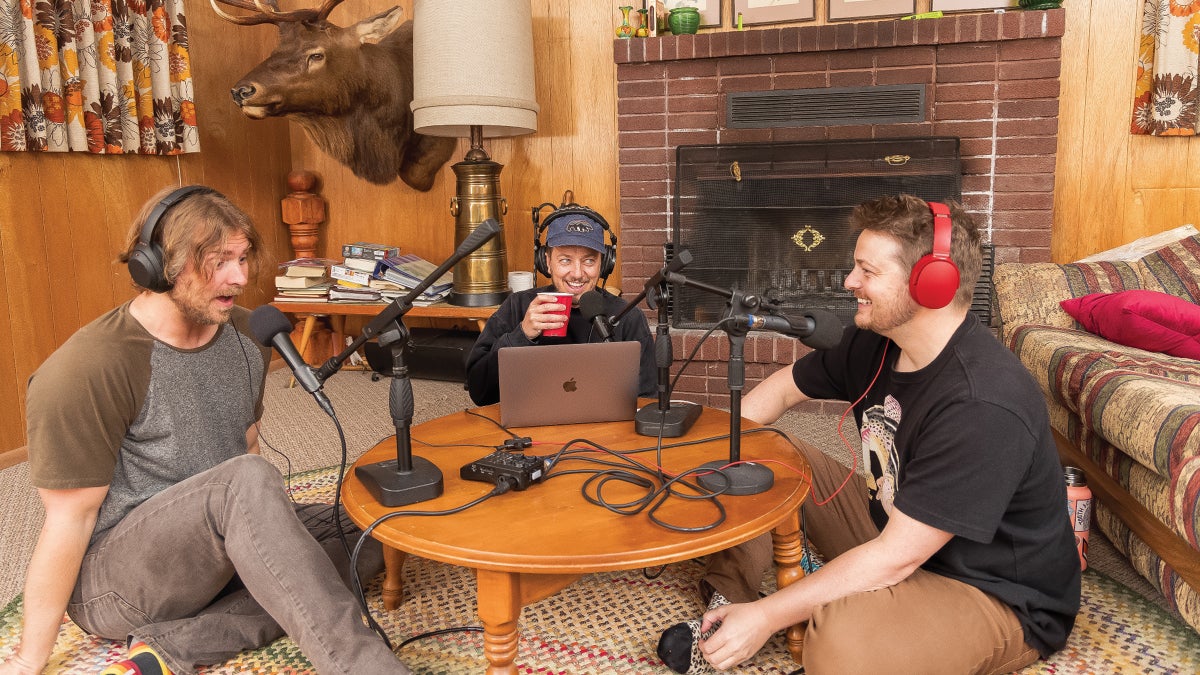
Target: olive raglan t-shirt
[[114, 406]]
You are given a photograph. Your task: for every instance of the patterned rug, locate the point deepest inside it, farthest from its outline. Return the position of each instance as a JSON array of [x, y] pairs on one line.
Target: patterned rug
[[1117, 630]]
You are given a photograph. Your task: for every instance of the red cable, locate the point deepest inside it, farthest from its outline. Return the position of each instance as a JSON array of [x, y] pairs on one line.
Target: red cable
[[853, 454]]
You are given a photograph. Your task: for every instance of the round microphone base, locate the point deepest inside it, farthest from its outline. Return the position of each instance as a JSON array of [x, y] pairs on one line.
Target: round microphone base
[[392, 487], [674, 421], [746, 478]]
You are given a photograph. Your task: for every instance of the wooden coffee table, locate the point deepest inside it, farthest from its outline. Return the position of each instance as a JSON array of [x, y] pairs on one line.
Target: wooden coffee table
[[527, 545]]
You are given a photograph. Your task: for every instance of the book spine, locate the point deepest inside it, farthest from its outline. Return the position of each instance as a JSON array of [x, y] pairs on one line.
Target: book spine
[[369, 251], [347, 274]]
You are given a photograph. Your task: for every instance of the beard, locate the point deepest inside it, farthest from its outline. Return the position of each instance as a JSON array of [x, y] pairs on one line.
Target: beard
[[196, 304], [887, 314]]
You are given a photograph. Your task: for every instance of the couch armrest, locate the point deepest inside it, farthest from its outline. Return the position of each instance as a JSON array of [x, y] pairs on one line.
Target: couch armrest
[[1029, 293]]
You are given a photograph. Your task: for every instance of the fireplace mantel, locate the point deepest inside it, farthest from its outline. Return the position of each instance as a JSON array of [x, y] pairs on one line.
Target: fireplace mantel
[[952, 29], [991, 80]]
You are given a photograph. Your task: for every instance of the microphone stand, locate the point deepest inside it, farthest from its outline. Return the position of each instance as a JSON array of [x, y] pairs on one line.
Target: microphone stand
[[406, 479], [664, 419], [744, 477]]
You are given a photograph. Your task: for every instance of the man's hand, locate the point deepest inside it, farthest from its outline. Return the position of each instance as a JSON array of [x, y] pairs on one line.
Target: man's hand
[[544, 314], [743, 631]]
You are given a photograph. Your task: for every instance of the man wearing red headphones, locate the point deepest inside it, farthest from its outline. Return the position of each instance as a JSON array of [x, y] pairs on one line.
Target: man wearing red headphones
[[575, 257], [952, 554]]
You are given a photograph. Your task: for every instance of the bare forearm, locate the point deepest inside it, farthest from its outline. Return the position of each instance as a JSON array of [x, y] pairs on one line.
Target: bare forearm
[[858, 570], [49, 581], [772, 397], [54, 566]]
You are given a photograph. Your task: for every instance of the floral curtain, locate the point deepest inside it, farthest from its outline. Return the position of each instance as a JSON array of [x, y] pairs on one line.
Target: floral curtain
[[1166, 99], [99, 76]]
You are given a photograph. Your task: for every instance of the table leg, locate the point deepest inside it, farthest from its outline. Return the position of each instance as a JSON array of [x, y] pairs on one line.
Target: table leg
[[500, 597], [393, 582], [788, 552], [499, 606], [309, 322]]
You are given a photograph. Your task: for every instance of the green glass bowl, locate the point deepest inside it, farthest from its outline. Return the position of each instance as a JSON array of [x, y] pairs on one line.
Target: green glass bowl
[[684, 20], [1040, 4]]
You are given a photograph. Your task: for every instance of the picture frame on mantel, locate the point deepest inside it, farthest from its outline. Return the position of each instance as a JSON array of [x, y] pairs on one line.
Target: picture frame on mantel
[[772, 11], [865, 9], [710, 10], [967, 5]]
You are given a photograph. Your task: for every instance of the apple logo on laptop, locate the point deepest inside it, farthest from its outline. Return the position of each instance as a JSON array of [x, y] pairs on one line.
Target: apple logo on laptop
[[570, 385]]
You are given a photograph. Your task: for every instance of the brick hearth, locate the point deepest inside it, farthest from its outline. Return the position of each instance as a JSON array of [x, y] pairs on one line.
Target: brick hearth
[[991, 80]]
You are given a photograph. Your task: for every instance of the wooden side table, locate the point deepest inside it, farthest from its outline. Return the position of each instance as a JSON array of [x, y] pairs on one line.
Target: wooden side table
[[338, 311]]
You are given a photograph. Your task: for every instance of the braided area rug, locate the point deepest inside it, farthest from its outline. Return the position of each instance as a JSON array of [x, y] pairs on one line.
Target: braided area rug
[[609, 624]]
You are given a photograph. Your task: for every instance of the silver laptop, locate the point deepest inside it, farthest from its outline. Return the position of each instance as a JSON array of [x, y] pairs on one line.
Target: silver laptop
[[568, 384]]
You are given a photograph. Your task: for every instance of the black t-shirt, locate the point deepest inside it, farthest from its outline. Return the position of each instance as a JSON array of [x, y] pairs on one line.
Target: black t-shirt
[[964, 445]]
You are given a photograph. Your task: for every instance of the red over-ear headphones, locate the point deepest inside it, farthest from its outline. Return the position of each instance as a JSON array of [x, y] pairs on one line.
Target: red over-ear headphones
[[933, 281]]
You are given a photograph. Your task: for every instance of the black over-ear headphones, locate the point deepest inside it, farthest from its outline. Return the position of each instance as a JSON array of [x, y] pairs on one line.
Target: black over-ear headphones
[[541, 252], [933, 281], [146, 263]]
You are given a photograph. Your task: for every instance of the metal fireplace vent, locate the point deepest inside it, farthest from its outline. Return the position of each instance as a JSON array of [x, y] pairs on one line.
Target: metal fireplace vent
[[773, 218], [826, 106]]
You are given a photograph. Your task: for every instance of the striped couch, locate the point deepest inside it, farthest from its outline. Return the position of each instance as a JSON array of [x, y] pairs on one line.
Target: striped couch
[[1130, 418]]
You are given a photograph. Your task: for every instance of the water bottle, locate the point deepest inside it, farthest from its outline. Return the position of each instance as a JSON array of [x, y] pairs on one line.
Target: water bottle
[[1079, 509]]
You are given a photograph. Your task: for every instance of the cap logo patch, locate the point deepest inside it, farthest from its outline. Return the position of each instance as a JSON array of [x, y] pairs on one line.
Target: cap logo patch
[[579, 227]]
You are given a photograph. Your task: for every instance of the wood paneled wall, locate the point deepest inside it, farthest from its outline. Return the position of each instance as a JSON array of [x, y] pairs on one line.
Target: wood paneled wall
[[63, 218], [574, 148], [1113, 187]]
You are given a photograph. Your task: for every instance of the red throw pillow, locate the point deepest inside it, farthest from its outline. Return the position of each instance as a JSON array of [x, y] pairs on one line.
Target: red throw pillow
[[1149, 320]]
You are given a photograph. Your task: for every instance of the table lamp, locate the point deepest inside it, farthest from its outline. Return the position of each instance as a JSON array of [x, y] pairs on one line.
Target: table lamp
[[473, 77]]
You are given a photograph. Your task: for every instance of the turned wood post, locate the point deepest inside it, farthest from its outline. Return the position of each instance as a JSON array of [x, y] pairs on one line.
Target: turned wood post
[[303, 211]]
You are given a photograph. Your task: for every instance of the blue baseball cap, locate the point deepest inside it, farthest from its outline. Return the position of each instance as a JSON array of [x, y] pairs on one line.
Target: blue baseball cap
[[575, 230]]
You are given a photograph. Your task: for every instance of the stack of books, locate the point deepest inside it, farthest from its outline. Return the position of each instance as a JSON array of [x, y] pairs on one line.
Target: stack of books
[[302, 280], [398, 275], [352, 280]]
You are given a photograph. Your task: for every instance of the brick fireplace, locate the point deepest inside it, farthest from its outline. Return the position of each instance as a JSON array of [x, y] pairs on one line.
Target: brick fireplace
[[991, 80]]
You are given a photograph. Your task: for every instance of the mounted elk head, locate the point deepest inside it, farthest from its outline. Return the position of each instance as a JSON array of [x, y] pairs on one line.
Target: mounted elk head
[[350, 88]]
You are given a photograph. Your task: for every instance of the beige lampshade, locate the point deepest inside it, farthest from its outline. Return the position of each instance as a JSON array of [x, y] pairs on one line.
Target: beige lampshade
[[473, 65]]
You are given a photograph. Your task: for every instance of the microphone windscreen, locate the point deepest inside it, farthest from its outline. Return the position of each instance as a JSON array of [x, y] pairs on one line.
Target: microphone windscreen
[[827, 329], [266, 322], [591, 304]]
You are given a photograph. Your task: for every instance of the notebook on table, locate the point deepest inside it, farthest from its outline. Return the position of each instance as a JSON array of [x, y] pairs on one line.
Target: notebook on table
[[568, 384]]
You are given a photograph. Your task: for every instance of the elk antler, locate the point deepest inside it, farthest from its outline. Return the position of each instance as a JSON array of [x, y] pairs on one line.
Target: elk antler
[[267, 11]]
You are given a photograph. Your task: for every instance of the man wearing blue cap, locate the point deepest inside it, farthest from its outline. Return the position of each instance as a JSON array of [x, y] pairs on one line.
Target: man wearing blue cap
[[575, 258]]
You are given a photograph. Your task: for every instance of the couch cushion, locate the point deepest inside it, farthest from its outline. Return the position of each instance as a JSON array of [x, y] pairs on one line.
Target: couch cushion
[[1149, 320], [1146, 404], [1175, 269], [1029, 293]]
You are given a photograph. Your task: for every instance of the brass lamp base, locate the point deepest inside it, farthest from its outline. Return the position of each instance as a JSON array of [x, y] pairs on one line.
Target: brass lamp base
[[480, 279]]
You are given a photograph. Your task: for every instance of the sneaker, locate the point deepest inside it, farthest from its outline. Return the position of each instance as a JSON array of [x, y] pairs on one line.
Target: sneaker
[[142, 660], [679, 645]]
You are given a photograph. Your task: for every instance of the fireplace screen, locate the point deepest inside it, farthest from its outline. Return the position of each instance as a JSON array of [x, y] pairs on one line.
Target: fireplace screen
[[771, 218]]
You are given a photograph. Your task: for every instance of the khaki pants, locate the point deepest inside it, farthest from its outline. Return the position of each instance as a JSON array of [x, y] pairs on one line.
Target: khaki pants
[[924, 624]]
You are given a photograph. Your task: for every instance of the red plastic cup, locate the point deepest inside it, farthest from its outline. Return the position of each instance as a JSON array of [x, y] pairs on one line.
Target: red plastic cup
[[563, 299]]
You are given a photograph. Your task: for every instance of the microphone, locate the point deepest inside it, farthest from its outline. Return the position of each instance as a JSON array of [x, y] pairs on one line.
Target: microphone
[[681, 259], [817, 328], [271, 328], [591, 306]]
